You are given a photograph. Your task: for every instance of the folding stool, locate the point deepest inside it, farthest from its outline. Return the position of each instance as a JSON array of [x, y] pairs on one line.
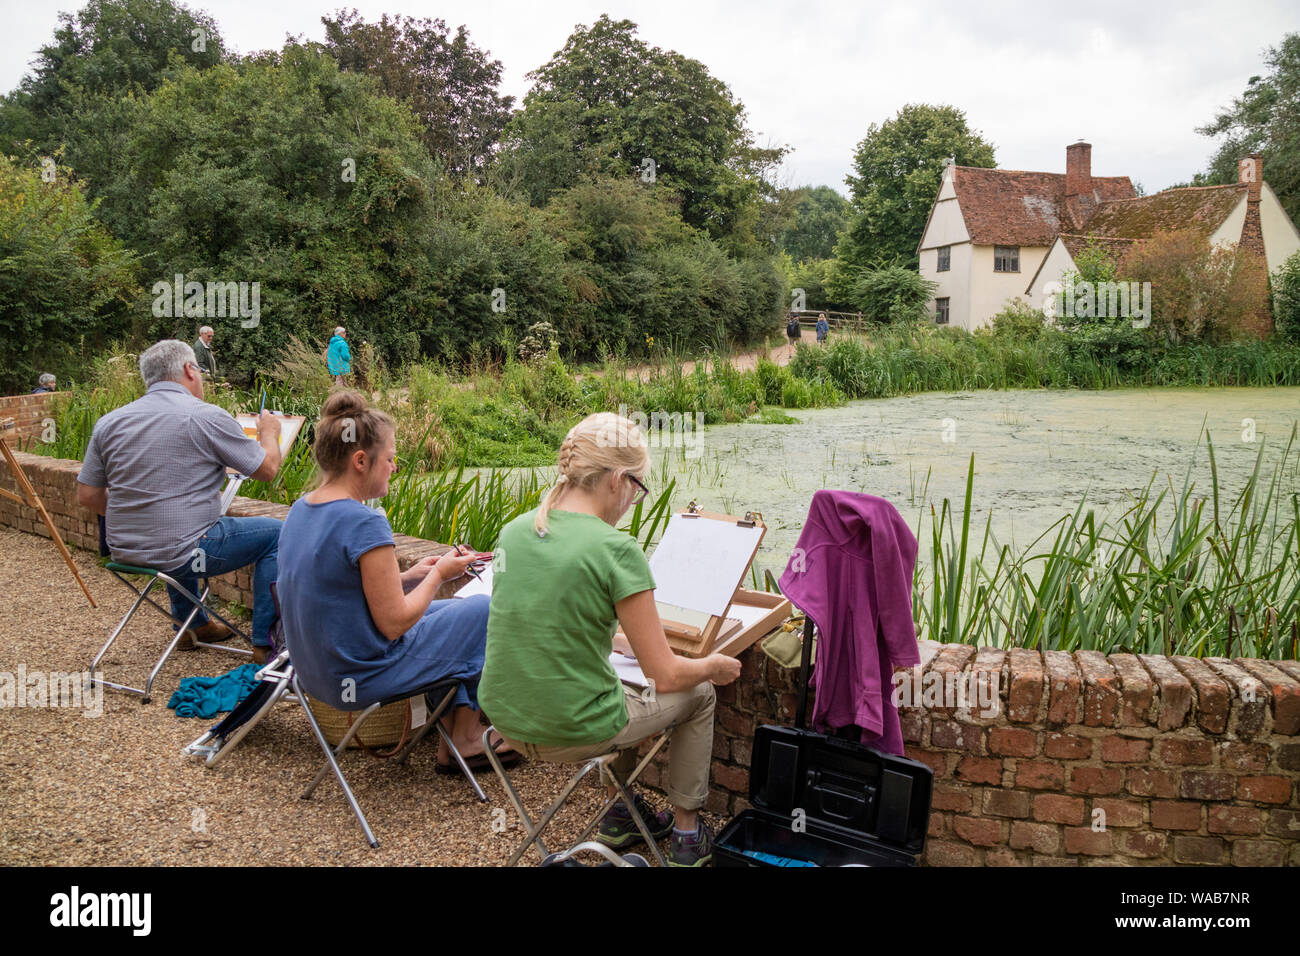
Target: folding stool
[[623, 787], [444, 691], [121, 572]]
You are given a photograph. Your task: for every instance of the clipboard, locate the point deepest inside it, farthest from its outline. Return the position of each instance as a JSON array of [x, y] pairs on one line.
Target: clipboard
[[290, 426], [693, 630]]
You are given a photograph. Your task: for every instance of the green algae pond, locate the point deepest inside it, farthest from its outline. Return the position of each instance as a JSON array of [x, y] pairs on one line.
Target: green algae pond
[[1037, 455], [1134, 520]]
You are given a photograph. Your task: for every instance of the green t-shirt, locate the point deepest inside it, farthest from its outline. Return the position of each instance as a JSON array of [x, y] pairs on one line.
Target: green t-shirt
[[547, 679]]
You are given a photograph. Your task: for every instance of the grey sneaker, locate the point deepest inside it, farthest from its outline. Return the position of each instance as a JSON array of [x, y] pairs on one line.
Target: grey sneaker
[[692, 850], [618, 830]]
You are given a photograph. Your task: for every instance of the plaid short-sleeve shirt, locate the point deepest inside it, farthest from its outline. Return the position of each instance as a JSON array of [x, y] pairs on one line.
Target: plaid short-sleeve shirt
[[163, 459]]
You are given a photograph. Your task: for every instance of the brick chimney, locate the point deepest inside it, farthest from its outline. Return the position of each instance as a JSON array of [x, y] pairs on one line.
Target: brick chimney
[[1250, 170], [1078, 170], [1250, 247]]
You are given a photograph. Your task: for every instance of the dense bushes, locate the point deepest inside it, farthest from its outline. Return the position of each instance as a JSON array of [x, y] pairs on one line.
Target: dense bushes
[[893, 294], [1198, 293], [900, 362], [63, 279], [1172, 291], [1286, 299]]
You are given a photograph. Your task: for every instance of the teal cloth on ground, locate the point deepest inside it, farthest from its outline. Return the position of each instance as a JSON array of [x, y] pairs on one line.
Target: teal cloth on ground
[[209, 696]]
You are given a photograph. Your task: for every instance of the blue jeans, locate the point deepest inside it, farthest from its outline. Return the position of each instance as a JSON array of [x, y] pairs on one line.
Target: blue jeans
[[231, 544]]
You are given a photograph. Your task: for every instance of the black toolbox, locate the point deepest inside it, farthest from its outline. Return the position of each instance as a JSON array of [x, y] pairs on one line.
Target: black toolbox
[[820, 800]]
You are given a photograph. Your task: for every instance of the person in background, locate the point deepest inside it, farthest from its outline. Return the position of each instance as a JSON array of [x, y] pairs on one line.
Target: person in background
[[793, 331], [548, 685], [203, 352], [154, 468], [339, 357], [823, 329], [44, 384]]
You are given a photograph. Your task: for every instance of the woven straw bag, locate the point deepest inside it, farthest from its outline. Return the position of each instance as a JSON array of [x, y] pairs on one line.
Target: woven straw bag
[[390, 726]]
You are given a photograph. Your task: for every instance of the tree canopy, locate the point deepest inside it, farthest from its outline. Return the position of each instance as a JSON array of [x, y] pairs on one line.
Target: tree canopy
[[609, 104], [820, 215], [107, 50], [449, 84], [1265, 119], [897, 168]]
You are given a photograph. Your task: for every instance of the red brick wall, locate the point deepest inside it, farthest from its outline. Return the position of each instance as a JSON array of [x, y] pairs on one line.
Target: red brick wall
[[1191, 761], [28, 412]]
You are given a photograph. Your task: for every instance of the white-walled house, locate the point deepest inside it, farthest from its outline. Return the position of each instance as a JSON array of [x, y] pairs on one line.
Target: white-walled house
[[1245, 215], [996, 235], [989, 230]]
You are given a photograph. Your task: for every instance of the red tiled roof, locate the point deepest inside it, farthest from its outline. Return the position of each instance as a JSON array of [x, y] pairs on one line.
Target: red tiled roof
[[1014, 208], [1202, 208], [1075, 244], [1114, 247]]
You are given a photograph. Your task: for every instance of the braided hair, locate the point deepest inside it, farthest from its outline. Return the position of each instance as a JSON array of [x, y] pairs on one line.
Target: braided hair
[[599, 443]]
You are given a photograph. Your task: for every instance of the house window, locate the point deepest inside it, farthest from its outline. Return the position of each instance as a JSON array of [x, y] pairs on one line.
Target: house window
[[945, 259], [941, 311], [1006, 258]]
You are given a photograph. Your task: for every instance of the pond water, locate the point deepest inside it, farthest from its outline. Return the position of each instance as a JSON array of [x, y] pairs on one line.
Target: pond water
[[1037, 454]]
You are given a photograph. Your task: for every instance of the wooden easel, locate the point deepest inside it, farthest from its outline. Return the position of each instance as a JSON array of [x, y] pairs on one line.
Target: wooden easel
[[33, 501]]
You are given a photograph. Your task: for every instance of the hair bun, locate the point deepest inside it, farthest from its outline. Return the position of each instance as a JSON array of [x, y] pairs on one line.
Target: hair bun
[[345, 403]]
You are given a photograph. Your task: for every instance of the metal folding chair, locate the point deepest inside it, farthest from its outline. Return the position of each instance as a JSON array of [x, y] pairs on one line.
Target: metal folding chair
[[623, 789], [124, 572], [279, 681], [443, 691], [275, 685]]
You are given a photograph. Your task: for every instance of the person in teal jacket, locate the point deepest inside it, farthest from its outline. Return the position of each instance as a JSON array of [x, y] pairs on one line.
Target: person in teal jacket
[[339, 357]]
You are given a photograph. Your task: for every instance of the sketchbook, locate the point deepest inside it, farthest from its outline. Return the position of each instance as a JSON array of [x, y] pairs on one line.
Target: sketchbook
[[700, 561]]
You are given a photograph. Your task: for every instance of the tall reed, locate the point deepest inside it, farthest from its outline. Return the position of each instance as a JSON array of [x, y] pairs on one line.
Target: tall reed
[[1165, 576]]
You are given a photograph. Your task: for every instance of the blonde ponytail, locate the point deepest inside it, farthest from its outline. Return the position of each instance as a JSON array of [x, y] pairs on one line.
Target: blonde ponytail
[[599, 443]]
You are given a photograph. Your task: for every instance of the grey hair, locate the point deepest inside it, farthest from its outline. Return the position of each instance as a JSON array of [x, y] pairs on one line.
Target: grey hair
[[45, 379], [339, 330], [205, 330], [165, 361]]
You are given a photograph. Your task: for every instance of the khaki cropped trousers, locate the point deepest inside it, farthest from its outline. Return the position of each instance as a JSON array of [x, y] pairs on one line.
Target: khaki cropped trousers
[[690, 748]]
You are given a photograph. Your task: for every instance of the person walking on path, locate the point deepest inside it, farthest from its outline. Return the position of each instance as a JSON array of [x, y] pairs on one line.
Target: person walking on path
[[339, 358], [823, 329], [793, 331]]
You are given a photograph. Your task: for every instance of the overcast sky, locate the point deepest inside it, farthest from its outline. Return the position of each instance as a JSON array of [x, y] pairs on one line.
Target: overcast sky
[[1133, 78]]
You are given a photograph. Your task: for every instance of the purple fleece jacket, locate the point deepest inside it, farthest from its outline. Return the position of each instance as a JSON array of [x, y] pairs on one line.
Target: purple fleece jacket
[[851, 573]]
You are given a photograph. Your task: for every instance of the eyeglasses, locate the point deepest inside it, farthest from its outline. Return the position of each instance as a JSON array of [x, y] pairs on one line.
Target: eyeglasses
[[641, 495]]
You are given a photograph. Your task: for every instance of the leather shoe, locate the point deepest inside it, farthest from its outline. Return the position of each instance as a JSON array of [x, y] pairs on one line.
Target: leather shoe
[[213, 632]]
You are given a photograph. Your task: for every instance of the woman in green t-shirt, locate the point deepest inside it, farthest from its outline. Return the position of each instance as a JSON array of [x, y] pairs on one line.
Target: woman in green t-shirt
[[565, 580]]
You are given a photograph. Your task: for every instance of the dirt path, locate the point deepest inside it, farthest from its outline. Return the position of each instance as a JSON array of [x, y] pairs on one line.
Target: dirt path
[[745, 362]]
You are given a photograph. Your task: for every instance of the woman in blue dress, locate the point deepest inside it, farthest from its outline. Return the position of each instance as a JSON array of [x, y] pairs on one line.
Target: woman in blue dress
[[357, 628]]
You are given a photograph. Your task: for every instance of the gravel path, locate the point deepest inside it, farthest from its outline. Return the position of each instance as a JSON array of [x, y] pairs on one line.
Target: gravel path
[[115, 789]]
